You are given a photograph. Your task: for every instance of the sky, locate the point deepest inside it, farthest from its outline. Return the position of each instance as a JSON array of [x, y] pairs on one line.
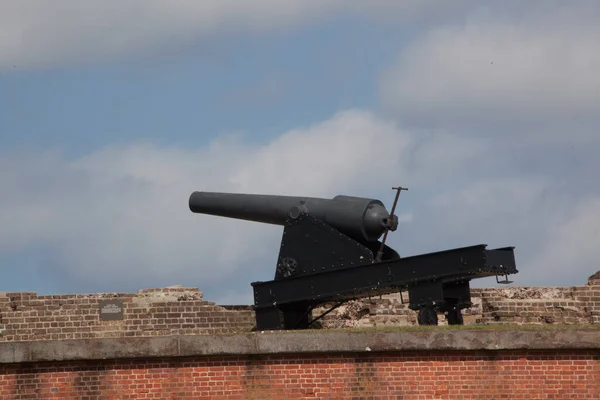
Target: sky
[[113, 113]]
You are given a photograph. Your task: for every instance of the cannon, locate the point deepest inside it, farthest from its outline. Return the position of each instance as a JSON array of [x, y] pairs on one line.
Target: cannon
[[331, 253]]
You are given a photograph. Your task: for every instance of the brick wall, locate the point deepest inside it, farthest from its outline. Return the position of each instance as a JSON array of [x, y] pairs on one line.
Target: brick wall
[[150, 312], [180, 310], [499, 305], [41, 358], [407, 376], [564, 305]]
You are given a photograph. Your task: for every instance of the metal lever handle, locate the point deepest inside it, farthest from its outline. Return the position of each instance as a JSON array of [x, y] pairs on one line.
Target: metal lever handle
[[389, 223]]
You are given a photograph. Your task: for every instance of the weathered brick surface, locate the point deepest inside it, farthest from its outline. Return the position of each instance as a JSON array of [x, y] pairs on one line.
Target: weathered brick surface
[[408, 376], [150, 312], [179, 310], [501, 305], [564, 305], [558, 373]]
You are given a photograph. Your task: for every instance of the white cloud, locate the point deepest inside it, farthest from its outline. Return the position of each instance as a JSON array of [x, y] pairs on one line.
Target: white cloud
[[122, 213], [500, 212], [39, 33], [514, 86], [555, 234], [347, 152], [517, 88], [571, 246], [537, 65], [118, 218]]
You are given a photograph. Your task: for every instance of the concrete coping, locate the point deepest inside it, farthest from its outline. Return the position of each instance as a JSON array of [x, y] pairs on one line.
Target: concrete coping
[[304, 342]]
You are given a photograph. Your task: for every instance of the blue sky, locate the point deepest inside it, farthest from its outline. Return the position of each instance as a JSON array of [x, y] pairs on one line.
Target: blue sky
[[488, 114], [182, 98], [263, 85]]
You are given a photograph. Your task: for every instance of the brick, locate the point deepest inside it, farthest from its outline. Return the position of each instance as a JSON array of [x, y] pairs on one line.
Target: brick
[[150, 312], [414, 375]]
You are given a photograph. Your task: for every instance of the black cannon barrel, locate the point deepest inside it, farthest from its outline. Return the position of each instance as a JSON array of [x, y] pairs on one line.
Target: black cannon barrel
[[361, 218]]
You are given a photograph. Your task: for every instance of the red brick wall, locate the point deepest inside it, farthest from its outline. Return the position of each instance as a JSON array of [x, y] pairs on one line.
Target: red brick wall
[[183, 311], [150, 312], [401, 376], [546, 305], [498, 305]]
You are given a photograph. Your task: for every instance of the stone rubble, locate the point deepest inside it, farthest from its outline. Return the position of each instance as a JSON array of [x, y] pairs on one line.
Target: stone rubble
[[501, 305]]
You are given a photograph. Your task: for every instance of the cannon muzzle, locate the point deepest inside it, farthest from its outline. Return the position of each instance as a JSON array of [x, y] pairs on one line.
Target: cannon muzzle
[[360, 218]]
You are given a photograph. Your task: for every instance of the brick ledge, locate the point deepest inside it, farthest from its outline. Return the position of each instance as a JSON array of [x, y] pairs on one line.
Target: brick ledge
[[298, 343]]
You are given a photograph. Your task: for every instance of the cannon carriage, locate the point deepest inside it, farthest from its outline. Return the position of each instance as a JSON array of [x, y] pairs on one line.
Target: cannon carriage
[[331, 252]]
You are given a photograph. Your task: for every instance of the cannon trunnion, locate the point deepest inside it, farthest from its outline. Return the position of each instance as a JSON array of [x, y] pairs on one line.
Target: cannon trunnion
[[330, 253]]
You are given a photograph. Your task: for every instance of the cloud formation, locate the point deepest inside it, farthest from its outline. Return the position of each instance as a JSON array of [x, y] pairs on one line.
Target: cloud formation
[[528, 179], [530, 68], [39, 34], [122, 211], [521, 83]]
